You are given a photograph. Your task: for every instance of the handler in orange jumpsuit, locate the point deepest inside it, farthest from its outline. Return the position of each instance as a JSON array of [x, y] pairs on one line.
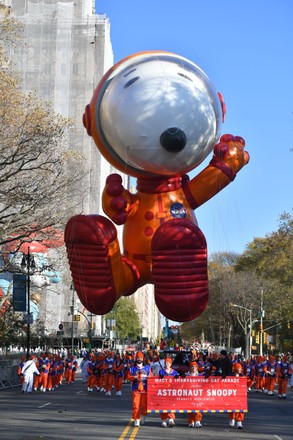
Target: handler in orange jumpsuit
[[91, 378], [168, 419], [45, 368], [22, 362], [284, 371], [138, 375], [194, 419], [270, 369], [109, 377], [259, 373], [236, 416], [118, 368]]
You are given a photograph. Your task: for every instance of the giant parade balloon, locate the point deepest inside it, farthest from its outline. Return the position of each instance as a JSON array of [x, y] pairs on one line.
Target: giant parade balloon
[[154, 116]]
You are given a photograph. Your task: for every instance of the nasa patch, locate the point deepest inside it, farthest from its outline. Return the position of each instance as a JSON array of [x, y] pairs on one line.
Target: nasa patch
[[177, 210]]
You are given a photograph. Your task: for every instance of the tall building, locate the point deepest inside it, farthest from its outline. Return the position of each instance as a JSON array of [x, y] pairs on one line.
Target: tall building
[[67, 48]]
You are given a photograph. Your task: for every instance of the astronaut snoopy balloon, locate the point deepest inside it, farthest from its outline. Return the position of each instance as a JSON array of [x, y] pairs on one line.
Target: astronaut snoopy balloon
[[154, 116]]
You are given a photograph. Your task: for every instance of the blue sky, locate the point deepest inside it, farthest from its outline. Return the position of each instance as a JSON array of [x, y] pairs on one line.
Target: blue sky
[[246, 50]]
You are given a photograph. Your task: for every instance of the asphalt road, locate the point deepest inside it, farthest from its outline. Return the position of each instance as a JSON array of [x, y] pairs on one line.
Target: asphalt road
[[71, 413]]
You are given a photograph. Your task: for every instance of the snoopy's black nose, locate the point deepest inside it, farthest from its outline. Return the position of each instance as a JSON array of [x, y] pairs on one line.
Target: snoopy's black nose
[[173, 139]]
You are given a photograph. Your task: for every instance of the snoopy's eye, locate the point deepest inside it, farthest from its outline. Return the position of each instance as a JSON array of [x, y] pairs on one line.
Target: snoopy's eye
[[130, 82]]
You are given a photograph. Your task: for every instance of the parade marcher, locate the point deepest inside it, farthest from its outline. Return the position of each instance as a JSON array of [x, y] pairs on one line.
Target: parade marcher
[[118, 369], [138, 375], [21, 364], [44, 366], [237, 416], [194, 419], [284, 372], [71, 366], [74, 369], [270, 369], [100, 372], [91, 377], [291, 378], [38, 379], [28, 371], [52, 374], [59, 371], [128, 363], [168, 419], [259, 374], [248, 372], [109, 377]]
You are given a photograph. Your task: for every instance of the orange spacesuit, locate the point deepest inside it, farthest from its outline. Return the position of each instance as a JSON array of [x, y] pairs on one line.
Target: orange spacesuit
[[154, 116]]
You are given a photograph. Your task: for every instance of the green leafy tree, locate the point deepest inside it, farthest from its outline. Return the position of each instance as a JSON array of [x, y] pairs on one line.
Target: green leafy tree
[[271, 259], [12, 329], [127, 319]]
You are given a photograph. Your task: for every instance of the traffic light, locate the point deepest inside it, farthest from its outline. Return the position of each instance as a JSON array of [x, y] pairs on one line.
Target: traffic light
[[265, 337], [257, 337], [260, 328], [92, 325], [253, 333], [76, 318]]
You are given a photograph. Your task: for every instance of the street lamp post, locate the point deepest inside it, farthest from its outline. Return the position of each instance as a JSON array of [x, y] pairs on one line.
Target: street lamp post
[[247, 346], [72, 317], [261, 323], [28, 263]]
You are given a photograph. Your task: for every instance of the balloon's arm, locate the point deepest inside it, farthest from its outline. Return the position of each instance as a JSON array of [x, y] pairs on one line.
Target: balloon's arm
[[117, 202], [229, 157]]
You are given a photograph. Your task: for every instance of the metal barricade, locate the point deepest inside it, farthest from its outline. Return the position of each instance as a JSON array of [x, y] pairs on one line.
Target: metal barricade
[[8, 375]]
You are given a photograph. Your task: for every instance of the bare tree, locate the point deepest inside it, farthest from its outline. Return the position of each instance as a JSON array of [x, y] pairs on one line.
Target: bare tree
[[38, 172]]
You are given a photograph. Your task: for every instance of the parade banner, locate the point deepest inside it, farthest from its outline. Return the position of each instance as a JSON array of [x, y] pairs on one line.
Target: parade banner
[[197, 394]]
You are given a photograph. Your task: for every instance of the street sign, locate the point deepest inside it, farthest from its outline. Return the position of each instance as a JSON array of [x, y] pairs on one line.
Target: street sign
[[29, 318], [19, 293]]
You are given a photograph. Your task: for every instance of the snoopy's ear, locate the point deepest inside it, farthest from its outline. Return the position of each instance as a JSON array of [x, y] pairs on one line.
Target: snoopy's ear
[[86, 119], [223, 105]]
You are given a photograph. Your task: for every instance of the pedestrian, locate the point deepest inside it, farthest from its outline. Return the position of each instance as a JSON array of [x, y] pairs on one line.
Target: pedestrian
[[28, 371], [223, 365], [155, 365], [83, 366], [168, 419], [138, 375]]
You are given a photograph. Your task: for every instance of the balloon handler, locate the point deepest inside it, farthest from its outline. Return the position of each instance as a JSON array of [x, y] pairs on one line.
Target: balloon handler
[[154, 116]]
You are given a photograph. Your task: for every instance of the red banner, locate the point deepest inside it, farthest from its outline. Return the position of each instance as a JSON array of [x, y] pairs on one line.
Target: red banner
[[197, 393]]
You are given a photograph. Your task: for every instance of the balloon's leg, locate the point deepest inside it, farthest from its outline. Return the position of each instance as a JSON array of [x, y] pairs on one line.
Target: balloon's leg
[[100, 273], [179, 270]]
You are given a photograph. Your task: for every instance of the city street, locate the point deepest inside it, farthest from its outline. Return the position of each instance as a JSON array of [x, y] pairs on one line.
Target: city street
[[71, 413]]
